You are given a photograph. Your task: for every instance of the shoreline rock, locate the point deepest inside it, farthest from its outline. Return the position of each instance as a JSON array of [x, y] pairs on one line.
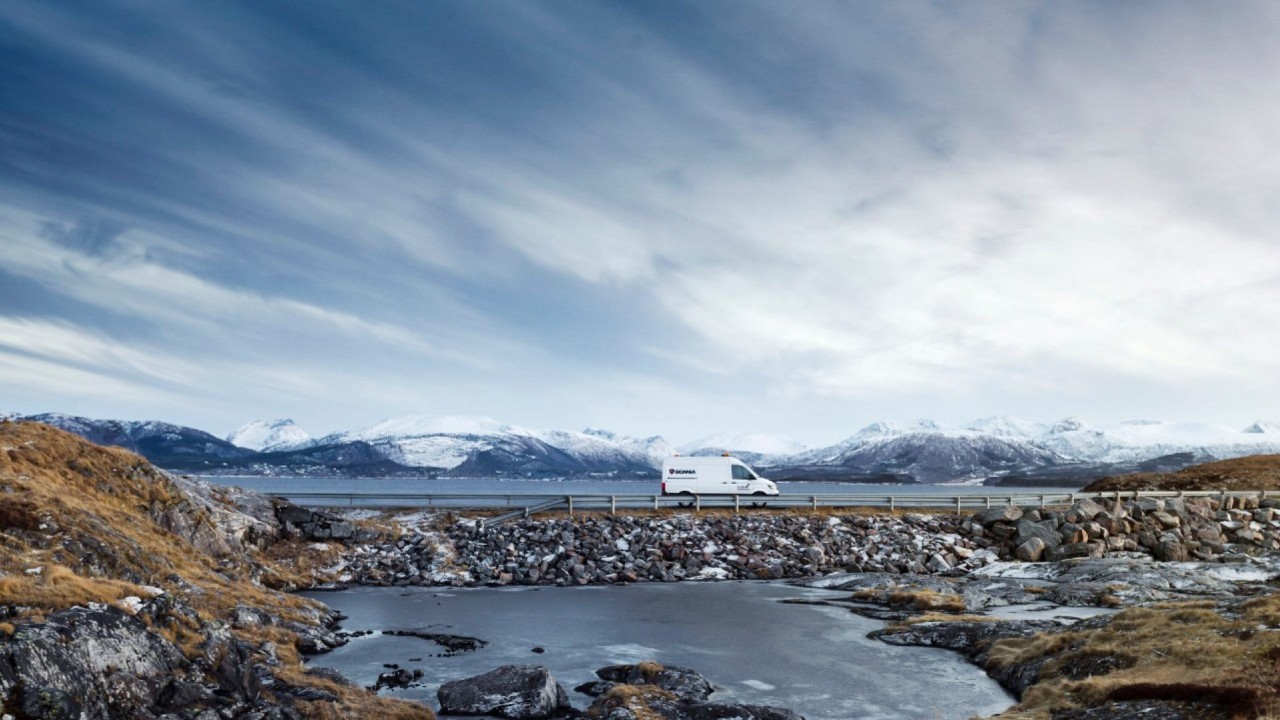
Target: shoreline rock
[[625, 549]]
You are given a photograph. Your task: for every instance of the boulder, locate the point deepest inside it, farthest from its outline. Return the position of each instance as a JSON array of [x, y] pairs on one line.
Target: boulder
[[90, 663], [1171, 550], [518, 692], [1028, 530], [1088, 509], [685, 683], [1031, 550], [1007, 513]]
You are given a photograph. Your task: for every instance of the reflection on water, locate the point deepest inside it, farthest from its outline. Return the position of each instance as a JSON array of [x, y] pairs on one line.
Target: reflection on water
[[815, 660]]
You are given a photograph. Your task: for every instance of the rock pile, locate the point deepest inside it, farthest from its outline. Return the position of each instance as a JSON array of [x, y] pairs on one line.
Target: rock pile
[[616, 549], [631, 549], [1176, 529]]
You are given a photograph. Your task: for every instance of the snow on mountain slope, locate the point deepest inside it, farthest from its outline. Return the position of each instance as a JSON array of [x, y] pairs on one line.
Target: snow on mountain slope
[[451, 442], [755, 443], [1006, 426], [263, 436], [1144, 439]]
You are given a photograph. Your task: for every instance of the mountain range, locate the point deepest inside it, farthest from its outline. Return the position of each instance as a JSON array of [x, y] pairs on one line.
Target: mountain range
[[997, 450]]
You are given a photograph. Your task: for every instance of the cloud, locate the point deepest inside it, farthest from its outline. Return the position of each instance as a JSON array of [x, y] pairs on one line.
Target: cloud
[[857, 208]]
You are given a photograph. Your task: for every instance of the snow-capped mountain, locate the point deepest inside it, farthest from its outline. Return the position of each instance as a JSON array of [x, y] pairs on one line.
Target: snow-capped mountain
[[928, 452], [259, 435], [460, 446], [466, 445], [924, 451], [171, 446]]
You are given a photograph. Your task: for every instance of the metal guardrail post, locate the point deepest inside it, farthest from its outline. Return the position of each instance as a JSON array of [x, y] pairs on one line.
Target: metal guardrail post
[[891, 507], [569, 498], [613, 505], [957, 503], [737, 506], [655, 502], [1041, 502], [697, 503], [814, 498]]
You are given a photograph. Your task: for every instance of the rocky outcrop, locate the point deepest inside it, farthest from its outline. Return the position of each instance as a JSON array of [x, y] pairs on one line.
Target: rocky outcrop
[[648, 690], [686, 684], [518, 692], [96, 662], [100, 663]]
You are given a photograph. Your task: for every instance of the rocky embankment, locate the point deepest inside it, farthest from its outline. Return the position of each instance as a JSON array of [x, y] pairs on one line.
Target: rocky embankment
[[129, 592], [1190, 640], [613, 549]]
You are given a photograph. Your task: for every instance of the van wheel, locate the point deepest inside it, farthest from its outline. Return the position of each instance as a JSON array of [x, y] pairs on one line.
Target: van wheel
[[682, 502], [758, 503]]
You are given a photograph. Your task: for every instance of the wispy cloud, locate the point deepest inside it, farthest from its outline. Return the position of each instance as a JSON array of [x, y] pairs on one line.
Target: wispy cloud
[[794, 221]]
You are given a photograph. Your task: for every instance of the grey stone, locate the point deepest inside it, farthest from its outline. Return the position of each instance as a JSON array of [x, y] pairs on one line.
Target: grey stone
[[1031, 550], [518, 692]]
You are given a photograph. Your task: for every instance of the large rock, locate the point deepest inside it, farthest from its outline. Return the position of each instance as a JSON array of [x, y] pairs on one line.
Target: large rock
[[1007, 513], [685, 683], [1031, 550], [1044, 531], [93, 663], [519, 692]]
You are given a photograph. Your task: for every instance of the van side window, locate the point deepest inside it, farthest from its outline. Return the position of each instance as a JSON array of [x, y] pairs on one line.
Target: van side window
[[740, 472]]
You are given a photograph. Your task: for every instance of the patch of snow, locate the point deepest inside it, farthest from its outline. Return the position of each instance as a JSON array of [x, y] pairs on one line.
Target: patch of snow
[[274, 435], [758, 685]]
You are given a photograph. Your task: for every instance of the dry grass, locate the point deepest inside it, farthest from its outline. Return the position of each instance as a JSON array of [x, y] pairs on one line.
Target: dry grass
[[649, 670], [926, 601], [57, 586], [353, 703], [636, 698], [65, 500], [943, 617], [1255, 472], [1173, 651]]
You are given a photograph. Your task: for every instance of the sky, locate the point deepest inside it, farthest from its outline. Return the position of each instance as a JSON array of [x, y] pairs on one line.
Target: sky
[[679, 217]]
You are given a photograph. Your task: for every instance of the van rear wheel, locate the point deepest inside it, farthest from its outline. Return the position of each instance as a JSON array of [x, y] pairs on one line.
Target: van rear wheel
[[758, 503], [686, 499]]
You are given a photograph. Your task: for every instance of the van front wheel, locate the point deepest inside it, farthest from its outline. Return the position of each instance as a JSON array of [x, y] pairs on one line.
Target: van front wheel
[[758, 503], [686, 499]]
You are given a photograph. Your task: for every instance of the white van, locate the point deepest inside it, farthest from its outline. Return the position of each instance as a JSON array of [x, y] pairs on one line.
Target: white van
[[722, 475]]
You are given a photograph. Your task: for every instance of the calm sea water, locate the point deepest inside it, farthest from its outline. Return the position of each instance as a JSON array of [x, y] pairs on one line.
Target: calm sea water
[[498, 486], [815, 660]]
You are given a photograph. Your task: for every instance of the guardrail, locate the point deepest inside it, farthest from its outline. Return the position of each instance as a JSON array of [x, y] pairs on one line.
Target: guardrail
[[525, 505]]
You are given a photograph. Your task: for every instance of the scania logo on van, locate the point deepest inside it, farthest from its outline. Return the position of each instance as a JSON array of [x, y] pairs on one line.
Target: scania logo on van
[[674, 471]]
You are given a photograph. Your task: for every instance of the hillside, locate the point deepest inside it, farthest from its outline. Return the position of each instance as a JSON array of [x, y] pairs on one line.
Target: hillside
[[1255, 472], [162, 587]]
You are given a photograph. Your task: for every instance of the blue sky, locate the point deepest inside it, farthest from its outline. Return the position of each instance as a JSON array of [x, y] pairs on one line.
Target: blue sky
[[676, 218]]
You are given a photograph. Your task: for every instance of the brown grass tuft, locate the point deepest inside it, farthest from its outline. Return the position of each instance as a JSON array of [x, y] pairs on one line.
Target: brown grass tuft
[[635, 698], [58, 586], [927, 601]]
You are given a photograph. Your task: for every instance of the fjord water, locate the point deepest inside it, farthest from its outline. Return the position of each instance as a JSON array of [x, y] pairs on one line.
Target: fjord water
[[512, 486], [815, 660]]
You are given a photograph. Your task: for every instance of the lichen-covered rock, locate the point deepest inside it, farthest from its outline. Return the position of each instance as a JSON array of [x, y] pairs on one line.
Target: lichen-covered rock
[[518, 692], [94, 663]]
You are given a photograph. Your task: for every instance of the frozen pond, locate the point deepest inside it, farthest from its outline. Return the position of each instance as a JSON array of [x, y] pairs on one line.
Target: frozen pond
[[812, 659]]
